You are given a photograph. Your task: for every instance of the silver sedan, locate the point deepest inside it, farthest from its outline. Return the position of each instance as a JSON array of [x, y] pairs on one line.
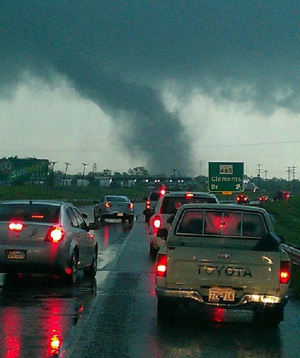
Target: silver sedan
[[114, 207], [46, 237]]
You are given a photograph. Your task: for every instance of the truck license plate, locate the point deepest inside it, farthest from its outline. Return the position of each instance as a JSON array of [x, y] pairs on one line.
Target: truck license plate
[[15, 254], [217, 294]]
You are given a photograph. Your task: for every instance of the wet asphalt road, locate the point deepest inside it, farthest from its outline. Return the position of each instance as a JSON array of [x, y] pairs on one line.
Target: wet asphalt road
[[115, 315]]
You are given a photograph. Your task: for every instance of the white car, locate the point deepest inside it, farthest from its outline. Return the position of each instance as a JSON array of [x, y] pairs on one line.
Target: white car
[[43, 236], [166, 207], [224, 256]]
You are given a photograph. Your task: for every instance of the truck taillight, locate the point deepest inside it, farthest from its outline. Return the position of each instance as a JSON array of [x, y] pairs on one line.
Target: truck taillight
[[161, 265], [285, 272], [156, 222], [107, 204], [55, 234], [130, 205]]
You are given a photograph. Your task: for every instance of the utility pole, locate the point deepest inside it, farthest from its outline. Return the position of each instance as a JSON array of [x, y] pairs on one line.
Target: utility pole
[[174, 169], [52, 172], [65, 175], [84, 165], [266, 172], [259, 171]]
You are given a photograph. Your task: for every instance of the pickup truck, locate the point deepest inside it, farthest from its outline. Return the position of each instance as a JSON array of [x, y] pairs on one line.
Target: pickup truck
[[223, 256]]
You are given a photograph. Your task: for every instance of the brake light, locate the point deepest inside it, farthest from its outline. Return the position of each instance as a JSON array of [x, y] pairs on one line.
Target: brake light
[[107, 204], [285, 272], [189, 195], [148, 204], [162, 190], [156, 222], [161, 265], [14, 226], [55, 234], [130, 205]]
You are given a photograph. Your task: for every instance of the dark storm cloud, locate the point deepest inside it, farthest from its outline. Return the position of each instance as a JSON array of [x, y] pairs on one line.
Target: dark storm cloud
[[119, 53]]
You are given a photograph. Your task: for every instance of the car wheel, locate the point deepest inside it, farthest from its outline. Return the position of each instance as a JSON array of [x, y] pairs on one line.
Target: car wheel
[[269, 316], [153, 252], [165, 309], [91, 270], [72, 277], [102, 219]]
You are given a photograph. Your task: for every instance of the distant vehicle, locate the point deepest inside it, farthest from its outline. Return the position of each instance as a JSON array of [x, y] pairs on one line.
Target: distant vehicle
[[282, 195], [151, 201], [167, 207], [263, 198], [222, 256], [40, 236], [242, 199], [114, 207], [248, 185]]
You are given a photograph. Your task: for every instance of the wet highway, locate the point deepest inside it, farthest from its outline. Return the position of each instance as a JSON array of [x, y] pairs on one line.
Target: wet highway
[[115, 315]]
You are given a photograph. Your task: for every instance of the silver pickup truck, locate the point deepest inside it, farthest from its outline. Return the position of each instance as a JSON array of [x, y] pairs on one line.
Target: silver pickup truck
[[223, 256]]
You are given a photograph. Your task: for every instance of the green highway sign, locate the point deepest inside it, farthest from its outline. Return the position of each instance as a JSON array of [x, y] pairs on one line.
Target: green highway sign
[[225, 176]]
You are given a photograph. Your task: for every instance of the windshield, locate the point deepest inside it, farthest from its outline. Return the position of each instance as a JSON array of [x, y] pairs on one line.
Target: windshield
[[170, 205]]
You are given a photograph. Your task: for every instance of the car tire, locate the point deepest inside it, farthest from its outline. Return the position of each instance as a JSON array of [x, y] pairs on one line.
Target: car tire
[[102, 219], [91, 270], [153, 252], [73, 276], [165, 309], [269, 316]]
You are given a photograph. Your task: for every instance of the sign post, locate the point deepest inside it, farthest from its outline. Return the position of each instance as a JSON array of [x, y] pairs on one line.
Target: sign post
[[225, 177]]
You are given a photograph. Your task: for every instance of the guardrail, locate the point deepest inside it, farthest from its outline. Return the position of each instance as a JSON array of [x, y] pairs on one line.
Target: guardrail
[[293, 253]]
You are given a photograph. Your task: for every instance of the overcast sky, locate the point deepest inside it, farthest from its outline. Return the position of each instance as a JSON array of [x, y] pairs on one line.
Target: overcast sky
[[160, 84]]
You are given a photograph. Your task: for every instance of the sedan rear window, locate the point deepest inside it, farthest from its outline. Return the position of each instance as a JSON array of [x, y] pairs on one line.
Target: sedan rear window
[[29, 212], [117, 198]]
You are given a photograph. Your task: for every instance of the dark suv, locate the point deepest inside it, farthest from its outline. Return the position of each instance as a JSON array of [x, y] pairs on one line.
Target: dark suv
[[150, 203]]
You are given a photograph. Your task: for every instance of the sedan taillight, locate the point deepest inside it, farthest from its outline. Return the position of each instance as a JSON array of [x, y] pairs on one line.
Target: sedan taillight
[[156, 222], [55, 234], [130, 206], [161, 265], [285, 272], [107, 204], [16, 226]]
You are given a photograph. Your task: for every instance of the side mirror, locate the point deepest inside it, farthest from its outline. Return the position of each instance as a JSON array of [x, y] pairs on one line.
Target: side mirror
[[96, 202], [162, 233], [84, 215], [281, 238], [144, 198], [93, 226]]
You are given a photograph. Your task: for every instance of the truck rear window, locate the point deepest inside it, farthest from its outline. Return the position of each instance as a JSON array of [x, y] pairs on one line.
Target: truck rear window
[[221, 223], [170, 205], [29, 212]]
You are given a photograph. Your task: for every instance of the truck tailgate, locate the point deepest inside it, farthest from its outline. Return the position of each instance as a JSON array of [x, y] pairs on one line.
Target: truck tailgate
[[191, 267]]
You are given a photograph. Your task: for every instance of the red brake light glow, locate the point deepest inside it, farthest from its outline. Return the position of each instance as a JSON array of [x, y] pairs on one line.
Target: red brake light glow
[[189, 195], [107, 204], [156, 222], [161, 265], [56, 234], [14, 226], [148, 204], [130, 205], [285, 272]]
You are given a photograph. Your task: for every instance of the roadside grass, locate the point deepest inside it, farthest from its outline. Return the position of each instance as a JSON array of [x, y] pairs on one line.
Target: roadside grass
[[76, 195], [287, 219]]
